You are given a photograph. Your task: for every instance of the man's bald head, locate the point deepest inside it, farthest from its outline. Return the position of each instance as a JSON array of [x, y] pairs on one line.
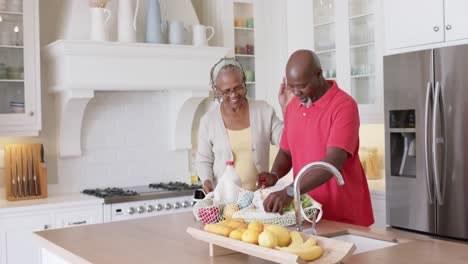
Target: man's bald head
[[303, 62], [304, 76]]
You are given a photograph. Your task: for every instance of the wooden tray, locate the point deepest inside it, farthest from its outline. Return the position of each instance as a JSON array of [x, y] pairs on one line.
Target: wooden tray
[[335, 251], [24, 161]]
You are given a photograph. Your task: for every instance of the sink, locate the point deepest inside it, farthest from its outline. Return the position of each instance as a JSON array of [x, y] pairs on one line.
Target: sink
[[363, 243]]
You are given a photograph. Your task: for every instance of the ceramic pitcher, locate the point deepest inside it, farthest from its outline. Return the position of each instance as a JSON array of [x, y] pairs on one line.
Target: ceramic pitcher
[[199, 33], [154, 25], [99, 19], [127, 20]]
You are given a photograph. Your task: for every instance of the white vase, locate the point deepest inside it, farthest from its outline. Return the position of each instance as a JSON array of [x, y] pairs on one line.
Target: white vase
[[127, 20], [99, 19]]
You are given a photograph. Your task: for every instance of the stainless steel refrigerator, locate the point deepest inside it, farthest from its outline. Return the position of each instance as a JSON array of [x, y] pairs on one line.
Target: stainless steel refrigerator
[[426, 121]]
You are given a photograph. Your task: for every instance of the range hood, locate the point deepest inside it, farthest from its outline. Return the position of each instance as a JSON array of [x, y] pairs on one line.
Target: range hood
[[74, 70]]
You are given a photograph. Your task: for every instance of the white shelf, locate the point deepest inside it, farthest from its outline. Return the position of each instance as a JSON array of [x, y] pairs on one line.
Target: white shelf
[[324, 24], [251, 83], [11, 81], [362, 45], [74, 79], [244, 28], [11, 13], [360, 15], [243, 1], [325, 51], [361, 76], [11, 47], [245, 55]]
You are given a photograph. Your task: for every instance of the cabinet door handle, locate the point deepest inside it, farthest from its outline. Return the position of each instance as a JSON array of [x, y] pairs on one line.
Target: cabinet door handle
[[435, 29], [77, 223], [448, 27]]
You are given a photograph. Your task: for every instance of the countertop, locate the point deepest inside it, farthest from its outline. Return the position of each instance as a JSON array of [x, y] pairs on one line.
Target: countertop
[[52, 201], [163, 239]]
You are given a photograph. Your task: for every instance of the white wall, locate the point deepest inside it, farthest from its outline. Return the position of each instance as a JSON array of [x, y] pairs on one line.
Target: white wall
[[125, 136]]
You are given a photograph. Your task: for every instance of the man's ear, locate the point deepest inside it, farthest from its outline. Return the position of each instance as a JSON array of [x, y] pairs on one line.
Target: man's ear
[[319, 72]]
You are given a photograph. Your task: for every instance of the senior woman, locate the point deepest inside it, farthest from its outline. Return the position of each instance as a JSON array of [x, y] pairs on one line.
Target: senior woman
[[237, 129]]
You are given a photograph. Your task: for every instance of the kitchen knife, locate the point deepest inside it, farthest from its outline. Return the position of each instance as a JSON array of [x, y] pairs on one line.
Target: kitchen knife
[[42, 155], [13, 185], [25, 184], [36, 192], [18, 177], [30, 179]]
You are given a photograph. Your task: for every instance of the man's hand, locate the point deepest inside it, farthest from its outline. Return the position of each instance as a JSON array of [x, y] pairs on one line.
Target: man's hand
[[207, 186], [285, 95], [266, 179], [275, 202]]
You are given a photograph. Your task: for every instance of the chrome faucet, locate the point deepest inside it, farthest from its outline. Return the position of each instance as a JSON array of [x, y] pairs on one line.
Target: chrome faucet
[[297, 192]]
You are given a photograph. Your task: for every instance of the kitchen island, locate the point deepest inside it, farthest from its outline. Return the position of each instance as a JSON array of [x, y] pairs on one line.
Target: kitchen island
[[163, 239]]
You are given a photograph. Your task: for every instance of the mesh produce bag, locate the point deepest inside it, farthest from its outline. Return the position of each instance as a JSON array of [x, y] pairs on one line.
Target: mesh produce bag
[[251, 209], [251, 214]]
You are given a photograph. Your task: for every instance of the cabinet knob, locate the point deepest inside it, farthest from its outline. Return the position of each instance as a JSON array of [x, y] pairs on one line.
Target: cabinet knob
[[435, 29], [31, 113], [46, 227], [448, 27]]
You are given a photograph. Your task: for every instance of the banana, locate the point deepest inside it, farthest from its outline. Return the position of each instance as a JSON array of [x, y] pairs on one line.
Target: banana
[[308, 250], [306, 253], [296, 239]]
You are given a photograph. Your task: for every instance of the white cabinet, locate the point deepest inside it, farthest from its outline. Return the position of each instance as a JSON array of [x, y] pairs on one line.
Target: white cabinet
[[423, 22], [378, 207], [20, 106], [456, 20], [19, 246], [348, 42], [411, 23], [2, 247]]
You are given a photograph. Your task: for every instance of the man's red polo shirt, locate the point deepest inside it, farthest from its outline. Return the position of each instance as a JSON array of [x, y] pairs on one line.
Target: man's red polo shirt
[[331, 121]]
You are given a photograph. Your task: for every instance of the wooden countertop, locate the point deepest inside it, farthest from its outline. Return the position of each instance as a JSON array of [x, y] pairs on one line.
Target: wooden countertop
[[163, 239]]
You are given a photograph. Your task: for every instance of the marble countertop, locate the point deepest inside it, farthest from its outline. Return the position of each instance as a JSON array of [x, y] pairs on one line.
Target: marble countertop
[[52, 201], [163, 239]]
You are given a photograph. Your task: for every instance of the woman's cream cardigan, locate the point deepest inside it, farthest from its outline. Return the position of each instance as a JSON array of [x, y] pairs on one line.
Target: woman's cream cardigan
[[213, 143]]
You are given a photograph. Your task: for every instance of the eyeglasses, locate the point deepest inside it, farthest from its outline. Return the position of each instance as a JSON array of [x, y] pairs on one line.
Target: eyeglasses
[[228, 92]]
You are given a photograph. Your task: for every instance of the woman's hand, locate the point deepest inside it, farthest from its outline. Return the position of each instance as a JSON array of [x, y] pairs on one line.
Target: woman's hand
[[266, 179], [285, 95], [208, 186], [276, 201]]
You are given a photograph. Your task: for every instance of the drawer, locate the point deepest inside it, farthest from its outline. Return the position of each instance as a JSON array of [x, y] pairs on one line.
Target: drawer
[[78, 217]]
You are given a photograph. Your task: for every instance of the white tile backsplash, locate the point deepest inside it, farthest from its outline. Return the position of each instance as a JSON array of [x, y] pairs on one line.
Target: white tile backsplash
[[125, 141]]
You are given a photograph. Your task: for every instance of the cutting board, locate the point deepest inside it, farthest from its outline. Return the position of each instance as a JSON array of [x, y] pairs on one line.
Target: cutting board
[[335, 251]]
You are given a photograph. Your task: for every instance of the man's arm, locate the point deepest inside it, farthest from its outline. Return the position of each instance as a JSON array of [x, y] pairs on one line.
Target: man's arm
[[281, 167], [315, 178], [275, 202]]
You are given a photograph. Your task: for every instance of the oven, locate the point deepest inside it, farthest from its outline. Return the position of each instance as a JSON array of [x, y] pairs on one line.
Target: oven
[[144, 201]]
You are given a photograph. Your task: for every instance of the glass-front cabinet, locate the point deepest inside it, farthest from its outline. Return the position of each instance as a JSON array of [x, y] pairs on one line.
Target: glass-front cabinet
[[324, 36], [19, 68], [347, 42]]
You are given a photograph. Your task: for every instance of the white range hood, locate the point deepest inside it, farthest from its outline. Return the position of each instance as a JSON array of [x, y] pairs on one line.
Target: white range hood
[[76, 69]]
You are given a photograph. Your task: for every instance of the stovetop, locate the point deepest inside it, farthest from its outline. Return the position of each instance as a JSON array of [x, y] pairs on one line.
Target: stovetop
[[145, 192]]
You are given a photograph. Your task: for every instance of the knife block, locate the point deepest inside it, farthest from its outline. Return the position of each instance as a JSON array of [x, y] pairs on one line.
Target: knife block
[[23, 162]]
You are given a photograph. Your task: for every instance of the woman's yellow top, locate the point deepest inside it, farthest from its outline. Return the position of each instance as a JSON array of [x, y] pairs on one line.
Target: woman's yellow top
[[244, 165]]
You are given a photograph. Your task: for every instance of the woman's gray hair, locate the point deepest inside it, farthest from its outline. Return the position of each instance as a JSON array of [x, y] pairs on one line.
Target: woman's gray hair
[[225, 64]]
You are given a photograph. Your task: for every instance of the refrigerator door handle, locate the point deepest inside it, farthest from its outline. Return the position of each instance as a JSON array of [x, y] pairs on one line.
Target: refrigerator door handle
[[436, 140], [426, 144]]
